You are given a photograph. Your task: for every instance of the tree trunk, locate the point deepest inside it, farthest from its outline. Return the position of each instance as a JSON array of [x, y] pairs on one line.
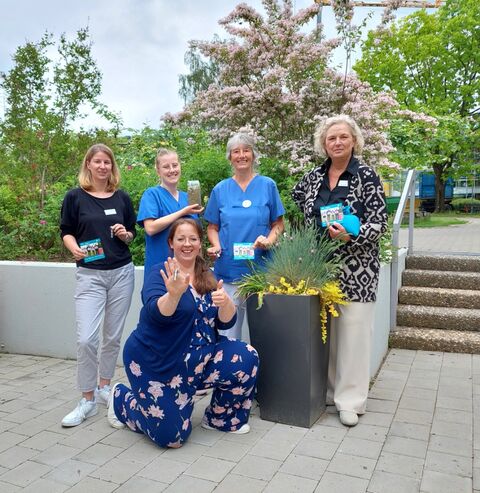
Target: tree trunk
[[439, 188]]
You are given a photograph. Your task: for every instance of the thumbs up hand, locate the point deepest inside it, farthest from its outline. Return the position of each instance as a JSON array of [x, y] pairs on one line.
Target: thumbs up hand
[[220, 296]]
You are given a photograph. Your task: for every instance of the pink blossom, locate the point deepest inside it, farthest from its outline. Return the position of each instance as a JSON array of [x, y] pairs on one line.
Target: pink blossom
[[238, 391], [218, 356], [156, 389], [182, 400], [156, 412], [176, 381], [185, 424], [135, 369], [217, 423], [234, 421]]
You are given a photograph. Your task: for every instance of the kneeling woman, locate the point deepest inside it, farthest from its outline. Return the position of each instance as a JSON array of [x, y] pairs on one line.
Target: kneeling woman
[[176, 349]]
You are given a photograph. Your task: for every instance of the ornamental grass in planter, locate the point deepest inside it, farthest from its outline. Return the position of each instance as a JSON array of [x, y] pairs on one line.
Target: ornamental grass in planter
[[289, 304]]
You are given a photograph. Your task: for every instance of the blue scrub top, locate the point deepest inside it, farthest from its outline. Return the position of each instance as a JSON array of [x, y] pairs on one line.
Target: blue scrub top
[[241, 217], [158, 202]]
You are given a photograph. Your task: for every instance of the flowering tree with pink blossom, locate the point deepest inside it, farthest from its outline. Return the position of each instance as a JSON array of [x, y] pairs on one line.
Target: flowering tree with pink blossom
[[275, 79]]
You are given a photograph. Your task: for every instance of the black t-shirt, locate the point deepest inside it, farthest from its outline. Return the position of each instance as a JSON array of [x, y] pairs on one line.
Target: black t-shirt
[[89, 219]]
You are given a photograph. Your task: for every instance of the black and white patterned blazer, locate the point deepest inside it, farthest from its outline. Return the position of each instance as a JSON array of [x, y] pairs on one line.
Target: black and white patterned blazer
[[359, 276]]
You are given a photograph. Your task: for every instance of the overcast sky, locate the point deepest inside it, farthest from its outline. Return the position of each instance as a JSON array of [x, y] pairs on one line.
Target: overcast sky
[[139, 45]]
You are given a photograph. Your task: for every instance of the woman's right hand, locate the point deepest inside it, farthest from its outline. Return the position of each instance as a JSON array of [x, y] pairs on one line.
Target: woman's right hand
[[175, 280], [214, 252], [78, 253], [192, 209]]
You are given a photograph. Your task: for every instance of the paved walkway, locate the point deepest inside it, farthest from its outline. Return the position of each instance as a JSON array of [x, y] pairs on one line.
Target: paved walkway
[[421, 433], [461, 239]]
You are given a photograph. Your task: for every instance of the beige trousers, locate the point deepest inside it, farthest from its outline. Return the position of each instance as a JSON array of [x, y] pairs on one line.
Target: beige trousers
[[349, 361]]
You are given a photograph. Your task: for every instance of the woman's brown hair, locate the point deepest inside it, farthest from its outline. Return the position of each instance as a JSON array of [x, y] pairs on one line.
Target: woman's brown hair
[[204, 279]]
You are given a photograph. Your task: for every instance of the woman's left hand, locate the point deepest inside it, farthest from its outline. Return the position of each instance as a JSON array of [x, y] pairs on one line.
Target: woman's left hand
[[120, 231], [262, 242], [338, 232], [220, 296]]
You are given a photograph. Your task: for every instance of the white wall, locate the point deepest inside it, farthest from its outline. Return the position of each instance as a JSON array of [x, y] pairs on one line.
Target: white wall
[[37, 309]]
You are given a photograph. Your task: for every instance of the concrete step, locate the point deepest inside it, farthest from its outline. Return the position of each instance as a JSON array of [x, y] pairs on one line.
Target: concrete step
[[441, 279], [454, 341], [456, 298], [456, 263], [435, 317]]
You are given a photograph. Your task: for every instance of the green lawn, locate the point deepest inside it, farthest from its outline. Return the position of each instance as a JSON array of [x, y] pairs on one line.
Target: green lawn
[[438, 220]]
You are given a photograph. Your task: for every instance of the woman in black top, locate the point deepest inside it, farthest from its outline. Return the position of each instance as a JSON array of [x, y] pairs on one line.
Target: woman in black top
[[97, 224], [343, 180]]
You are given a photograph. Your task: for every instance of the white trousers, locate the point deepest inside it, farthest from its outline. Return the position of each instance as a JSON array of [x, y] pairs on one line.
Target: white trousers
[[235, 332], [349, 361], [100, 296]]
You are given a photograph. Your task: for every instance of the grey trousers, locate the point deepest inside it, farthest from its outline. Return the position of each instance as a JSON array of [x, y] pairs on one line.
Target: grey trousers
[[101, 296], [349, 361], [235, 332]]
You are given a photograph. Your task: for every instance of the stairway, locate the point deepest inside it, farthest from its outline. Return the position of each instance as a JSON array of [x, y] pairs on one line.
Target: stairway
[[439, 304]]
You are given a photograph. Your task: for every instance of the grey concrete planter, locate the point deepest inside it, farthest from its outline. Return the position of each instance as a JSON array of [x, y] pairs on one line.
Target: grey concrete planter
[[292, 379]]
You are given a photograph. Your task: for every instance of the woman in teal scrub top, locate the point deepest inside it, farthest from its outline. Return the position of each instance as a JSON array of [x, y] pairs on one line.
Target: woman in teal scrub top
[[245, 216]]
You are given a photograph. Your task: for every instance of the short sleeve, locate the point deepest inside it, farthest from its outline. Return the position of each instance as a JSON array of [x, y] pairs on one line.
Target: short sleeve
[[212, 211], [150, 206], [69, 215], [276, 207]]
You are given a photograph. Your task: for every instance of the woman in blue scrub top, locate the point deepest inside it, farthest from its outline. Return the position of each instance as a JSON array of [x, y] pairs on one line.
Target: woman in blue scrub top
[[245, 216], [160, 206]]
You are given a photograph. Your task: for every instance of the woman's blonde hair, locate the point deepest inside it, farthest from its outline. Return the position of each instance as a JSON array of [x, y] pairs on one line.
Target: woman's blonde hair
[[320, 134], [85, 176], [164, 151]]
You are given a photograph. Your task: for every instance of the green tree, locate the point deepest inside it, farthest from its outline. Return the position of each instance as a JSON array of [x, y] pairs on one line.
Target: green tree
[[44, 97], [432, 63]]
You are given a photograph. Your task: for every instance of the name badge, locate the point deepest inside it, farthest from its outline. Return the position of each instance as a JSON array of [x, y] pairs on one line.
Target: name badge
[[243, 251], [343, 183], [110, 212], [331, 214]]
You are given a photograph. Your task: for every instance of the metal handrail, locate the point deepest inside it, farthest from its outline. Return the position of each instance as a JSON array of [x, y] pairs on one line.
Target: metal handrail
[[408, 192]]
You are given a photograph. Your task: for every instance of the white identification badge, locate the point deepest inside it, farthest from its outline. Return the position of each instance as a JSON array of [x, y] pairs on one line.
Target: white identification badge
[[110, 212], [343, 183], [246, 203]]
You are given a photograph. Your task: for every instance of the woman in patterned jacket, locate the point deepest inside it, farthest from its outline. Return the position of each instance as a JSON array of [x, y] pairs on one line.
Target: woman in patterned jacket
[[343, 180], [176, 349]]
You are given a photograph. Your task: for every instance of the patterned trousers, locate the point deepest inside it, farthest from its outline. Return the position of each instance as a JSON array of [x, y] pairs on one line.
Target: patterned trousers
[[161, 409]]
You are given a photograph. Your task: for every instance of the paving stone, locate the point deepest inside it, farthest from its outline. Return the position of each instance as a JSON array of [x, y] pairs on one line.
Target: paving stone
[[284, 483], [190, 483], [385, 394], [415, 417], [279, 450], [326, 433], [280, 432], [15, 455], [437, 482], [462, 417], [455, 403], [402, 465], [381, 405], [47, 486], [448, 463], [10, 439], [98, 454], [377, 419], [389, 384], [328, 419], [382, 482], [95, 485], [360, 447], [163, 469], [449, 445], [188, 453], [454, 430], [138, 484], [55, 455], [340, 483], [32, 427], [415, 392], [368, 432], [257, 467], [143, 450], [25, 473], [305, 467], [240, 484], [70, 472], [406, 446], [414, 403], [316, 448], [210, 468], [117, 470], [360, 467], [422, 383], [223, 449]]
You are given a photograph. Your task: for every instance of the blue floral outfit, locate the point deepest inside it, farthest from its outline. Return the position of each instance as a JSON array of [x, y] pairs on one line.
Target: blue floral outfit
[[168, 358]]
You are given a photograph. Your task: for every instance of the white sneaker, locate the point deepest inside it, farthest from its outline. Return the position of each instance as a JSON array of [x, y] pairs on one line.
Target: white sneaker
[[85, 409], [241, 431], [348, 418], [102, 395], [111, 416]]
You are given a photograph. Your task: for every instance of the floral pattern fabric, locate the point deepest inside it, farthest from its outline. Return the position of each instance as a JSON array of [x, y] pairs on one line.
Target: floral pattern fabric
[[162, 408]]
